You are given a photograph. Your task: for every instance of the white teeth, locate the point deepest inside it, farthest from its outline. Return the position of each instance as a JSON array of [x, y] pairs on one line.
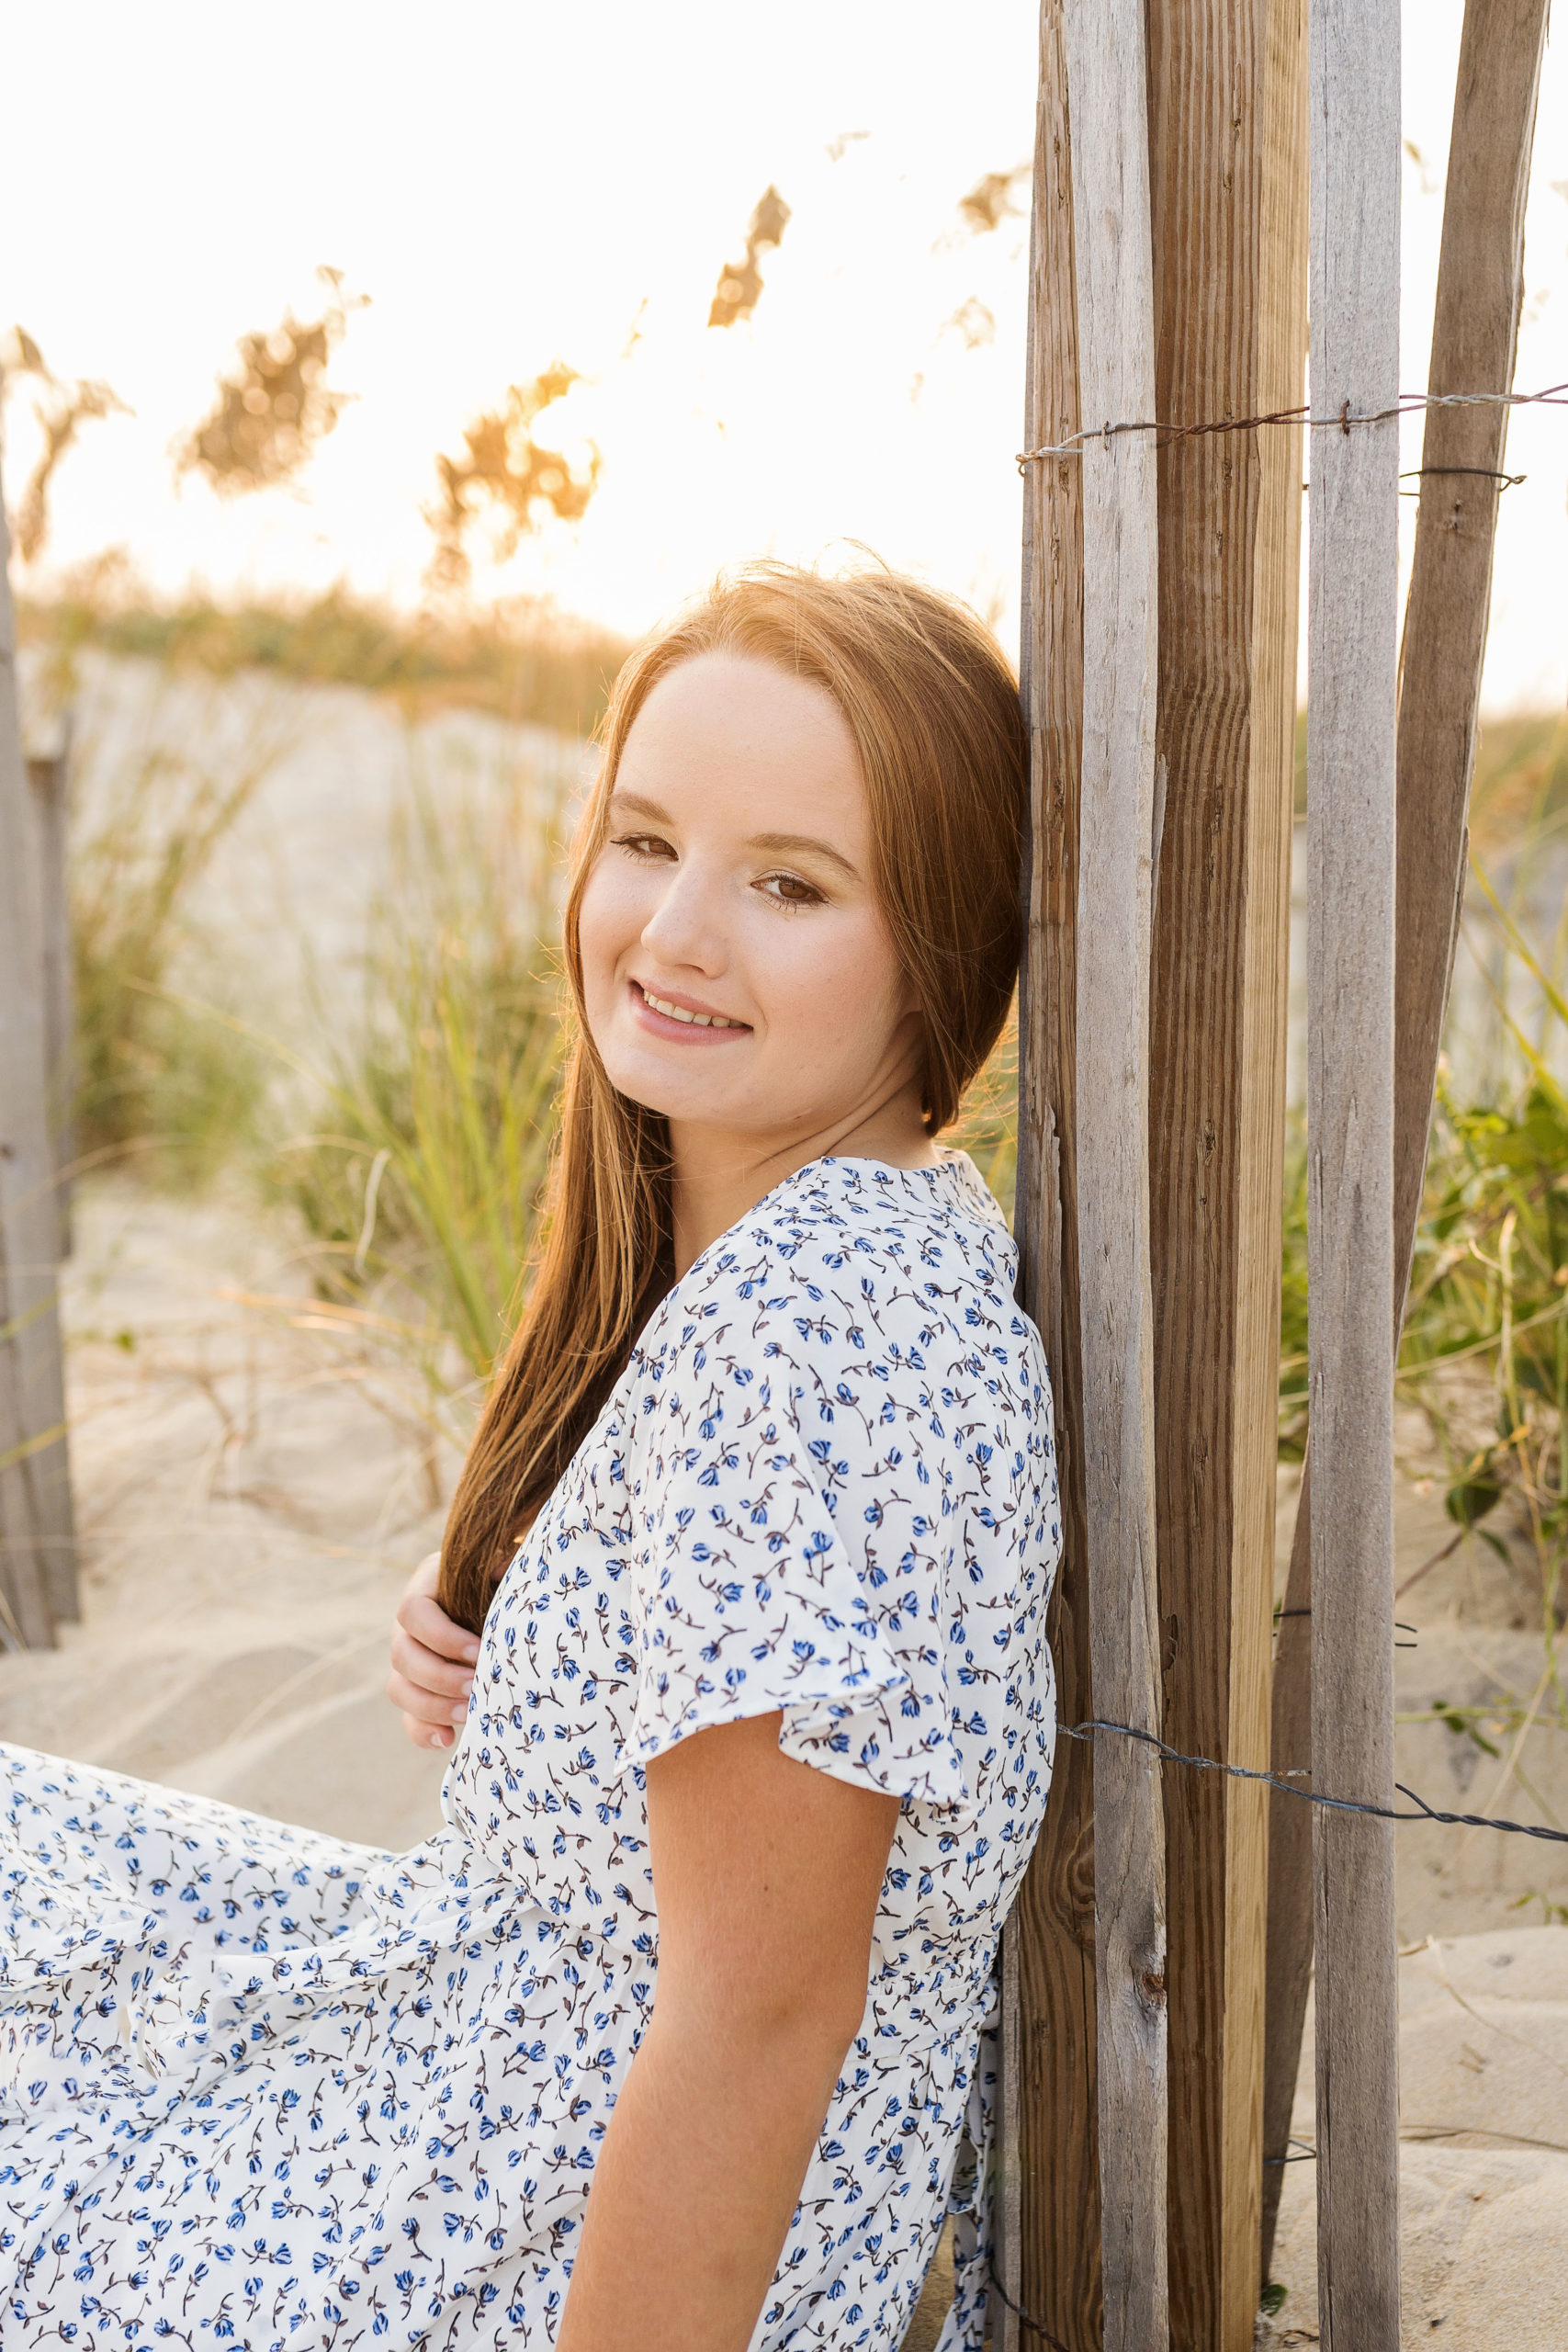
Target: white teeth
[[679, 1012]]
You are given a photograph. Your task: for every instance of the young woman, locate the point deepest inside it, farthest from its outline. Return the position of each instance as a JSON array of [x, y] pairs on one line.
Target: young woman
[[668, 2042]]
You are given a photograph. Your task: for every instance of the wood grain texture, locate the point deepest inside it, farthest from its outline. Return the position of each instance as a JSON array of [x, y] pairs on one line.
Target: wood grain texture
[[36, 1531], [49, 783], [1288, 1974], [1228, 162], [1054, 2267], [1474, 334], [48, 786], [1107, 88], [1352, 671]]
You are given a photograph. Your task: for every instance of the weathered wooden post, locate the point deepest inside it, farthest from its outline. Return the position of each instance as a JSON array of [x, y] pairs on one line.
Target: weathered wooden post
[[50, 779], [1085, 2110], [1106, 84], [1049, 2168], [1227, 151], [1228, 140], [1352, 685], [1474, 332], [38, 1557]]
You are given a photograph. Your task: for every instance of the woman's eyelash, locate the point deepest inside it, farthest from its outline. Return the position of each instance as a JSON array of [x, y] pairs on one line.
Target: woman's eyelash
[[812, 897], [640, 844], [799, 894]]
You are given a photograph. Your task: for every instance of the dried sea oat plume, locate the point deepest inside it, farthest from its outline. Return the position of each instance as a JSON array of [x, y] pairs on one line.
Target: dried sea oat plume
[[990, 201], [277, 407], [61, 411], [740, 282], [503, 469]]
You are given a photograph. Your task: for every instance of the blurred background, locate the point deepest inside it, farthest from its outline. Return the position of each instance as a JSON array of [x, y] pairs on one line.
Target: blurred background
[[372, 378]]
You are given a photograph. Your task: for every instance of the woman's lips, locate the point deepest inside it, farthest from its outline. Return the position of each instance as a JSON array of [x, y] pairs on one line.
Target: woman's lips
[[679, 1017]]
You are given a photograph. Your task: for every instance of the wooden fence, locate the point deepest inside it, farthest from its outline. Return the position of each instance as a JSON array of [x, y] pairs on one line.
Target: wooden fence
[[38, 1549], [1191, 156]]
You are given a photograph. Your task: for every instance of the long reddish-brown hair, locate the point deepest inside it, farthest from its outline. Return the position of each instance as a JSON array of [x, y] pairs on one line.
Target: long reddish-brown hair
[[933, 708]]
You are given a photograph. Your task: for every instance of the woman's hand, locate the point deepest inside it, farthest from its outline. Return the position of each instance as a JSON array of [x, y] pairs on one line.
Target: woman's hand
[[432, 1662]]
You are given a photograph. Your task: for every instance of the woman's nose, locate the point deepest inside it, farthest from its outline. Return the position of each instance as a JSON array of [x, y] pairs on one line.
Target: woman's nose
[[686, 926]]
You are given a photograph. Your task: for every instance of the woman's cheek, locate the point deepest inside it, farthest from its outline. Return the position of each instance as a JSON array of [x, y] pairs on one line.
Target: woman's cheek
[[833, 988], [841, 969], [608, 925]]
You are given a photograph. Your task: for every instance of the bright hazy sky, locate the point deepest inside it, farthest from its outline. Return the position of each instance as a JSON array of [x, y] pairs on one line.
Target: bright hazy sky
[[511, 181]]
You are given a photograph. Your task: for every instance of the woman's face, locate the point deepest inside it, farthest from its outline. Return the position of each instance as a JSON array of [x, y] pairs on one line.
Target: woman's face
[[737, 972]]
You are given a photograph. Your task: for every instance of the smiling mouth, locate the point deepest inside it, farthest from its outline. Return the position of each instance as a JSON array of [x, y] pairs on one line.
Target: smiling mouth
[[687, 1016]]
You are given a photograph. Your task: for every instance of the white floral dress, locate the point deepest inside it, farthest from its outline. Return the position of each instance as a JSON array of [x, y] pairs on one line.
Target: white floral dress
[[263, 2088]]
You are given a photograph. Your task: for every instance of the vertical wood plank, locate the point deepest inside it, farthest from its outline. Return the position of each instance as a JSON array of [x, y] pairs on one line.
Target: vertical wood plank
[[1352, 658], [49, 781], [1474, 334], [1053, 2053], [1228, 163], [35, 1490], [1288, 1976], [1107, 88], [1057, 2271]]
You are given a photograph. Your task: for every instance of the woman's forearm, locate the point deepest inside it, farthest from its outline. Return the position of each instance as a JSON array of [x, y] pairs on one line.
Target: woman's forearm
[[697, 2183]]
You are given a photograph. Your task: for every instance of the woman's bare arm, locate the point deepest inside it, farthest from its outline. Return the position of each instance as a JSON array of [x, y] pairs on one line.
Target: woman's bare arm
[[766, 1874], [432, 1662]]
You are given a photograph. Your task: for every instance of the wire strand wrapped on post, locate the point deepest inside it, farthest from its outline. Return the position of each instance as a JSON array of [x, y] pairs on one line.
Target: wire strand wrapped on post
[[1407, 404], [1424, 1812]]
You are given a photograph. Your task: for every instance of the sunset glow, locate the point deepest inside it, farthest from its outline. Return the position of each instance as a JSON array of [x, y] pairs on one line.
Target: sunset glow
[[511, 185]]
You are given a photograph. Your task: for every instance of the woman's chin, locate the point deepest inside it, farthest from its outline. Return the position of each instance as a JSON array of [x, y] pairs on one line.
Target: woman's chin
[[646, 1080]]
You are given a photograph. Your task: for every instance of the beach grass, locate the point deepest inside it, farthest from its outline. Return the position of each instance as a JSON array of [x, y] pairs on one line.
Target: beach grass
[[419, 1157], [521, 660], [155, 1079]]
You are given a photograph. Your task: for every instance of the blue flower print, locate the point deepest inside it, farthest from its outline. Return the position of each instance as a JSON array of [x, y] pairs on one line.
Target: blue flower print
[[265, 2088]]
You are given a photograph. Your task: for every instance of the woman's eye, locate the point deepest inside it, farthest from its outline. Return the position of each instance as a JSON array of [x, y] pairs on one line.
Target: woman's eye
[[790, 890], [644, 845]]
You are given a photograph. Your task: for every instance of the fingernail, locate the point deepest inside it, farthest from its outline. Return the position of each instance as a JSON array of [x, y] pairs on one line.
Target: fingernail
[[459, 1715], [472, 1652], [440, 1739]]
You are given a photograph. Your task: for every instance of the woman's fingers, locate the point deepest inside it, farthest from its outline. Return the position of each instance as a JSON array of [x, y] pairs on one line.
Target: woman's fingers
[[428, 1735], [427, 1623], [442, 1686], [424, 1711], [426, 1577], [432, 1664]]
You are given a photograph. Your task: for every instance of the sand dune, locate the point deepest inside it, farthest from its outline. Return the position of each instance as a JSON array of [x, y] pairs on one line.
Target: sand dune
[[254, 1484], [1484, 2171]]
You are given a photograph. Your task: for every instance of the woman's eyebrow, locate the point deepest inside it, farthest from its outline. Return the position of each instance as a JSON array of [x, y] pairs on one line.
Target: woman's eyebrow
[[783, 844], [633, 803]]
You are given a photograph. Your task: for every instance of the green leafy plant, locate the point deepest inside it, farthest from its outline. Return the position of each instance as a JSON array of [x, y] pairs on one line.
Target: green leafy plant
[[1554, 1915], [1491, 1285], [1461, 1722]]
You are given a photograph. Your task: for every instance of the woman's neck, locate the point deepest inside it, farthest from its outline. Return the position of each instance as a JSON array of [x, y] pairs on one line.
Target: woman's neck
[[719, 1175]]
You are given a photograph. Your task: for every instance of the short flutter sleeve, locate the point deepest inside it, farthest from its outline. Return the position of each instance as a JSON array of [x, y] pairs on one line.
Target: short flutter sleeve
[[794, 1548]]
